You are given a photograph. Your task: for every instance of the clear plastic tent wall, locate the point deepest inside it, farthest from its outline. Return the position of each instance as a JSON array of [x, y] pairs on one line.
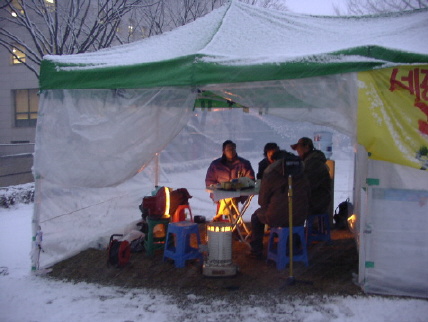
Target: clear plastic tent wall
[[393, 252], [94, 153], [93, 147], [327, 100], [90, 144]]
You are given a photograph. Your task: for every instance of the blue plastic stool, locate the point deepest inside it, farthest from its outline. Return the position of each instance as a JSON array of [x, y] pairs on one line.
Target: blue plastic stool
[[278, 246], [318, 228], [153, 243], [181, 250]]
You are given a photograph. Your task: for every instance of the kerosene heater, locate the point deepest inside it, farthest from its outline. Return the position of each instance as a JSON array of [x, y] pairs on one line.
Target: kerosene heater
[[219, 259]]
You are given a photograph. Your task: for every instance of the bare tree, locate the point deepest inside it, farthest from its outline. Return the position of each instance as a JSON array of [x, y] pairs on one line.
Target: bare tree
[[41, 27], [30, 29], [364, 7]]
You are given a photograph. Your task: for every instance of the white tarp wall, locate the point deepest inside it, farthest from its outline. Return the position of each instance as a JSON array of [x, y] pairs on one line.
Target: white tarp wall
[[393, 252], [91, 144], [328, 100]]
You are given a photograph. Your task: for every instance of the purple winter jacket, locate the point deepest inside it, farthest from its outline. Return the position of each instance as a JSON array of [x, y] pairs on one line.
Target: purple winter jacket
[[220, 170]]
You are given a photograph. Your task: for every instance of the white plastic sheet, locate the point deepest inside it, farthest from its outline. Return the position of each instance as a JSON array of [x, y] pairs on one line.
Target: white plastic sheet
[[92, 144], [99, 138], [328, 100], [393, 237], [90, 147]]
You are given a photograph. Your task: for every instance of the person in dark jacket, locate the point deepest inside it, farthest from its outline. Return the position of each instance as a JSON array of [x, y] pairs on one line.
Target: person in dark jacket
[[229, 166], [268, 151], [317, 171], [274, 202]]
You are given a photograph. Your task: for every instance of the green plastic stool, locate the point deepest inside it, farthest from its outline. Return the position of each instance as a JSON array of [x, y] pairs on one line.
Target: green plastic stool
[[152, 243]]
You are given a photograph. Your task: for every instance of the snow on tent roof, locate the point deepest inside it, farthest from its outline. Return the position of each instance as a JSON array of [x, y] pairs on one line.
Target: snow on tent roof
[[240, 43]]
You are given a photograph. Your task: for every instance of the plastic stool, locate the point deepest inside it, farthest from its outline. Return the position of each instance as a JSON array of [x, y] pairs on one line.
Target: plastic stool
[[180, 215], [321, 231], [277, 251], [181, 250], [152, 243]]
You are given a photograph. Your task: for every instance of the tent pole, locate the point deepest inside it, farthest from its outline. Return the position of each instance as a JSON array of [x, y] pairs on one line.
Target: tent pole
[[291, 280], [157, 169]]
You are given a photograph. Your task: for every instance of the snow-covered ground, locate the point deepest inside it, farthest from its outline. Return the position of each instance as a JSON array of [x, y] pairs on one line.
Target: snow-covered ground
[[26, 297]]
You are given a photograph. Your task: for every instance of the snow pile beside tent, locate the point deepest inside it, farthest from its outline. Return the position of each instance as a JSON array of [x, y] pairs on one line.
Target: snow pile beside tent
[[13, 195]]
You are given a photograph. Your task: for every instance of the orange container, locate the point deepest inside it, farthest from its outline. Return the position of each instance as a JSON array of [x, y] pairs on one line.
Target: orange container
[[180, 213]]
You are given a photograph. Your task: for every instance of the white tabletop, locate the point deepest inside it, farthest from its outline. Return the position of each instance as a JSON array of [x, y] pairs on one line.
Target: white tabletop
[[219, 193]]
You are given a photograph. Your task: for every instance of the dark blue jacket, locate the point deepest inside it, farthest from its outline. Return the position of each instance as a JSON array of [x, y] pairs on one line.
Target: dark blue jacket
[[262, 167]]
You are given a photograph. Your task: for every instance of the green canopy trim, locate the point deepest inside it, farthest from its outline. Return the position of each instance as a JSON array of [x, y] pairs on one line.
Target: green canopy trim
[[194, 71]]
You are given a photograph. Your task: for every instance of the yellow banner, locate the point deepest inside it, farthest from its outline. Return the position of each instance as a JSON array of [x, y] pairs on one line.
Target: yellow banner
[[393, 115]]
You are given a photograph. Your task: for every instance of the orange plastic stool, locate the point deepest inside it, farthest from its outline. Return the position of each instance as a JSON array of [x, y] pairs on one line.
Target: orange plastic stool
[[180, 214]]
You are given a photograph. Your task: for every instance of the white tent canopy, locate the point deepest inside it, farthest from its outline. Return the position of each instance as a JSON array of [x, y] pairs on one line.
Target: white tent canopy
[[105, 115], [240, 43]]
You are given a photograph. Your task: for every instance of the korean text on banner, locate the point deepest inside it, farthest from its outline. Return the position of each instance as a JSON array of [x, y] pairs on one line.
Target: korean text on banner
[[393, 115]]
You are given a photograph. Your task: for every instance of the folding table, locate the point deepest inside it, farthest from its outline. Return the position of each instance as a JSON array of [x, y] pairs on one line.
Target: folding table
[[236, 212]]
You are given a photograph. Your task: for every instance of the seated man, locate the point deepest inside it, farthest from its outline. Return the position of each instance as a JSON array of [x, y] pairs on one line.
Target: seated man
[[317, 172], [229, 166], [268, 151], [274, 199]]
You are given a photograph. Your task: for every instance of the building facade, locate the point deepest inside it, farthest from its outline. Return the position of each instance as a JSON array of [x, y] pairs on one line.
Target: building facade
[[19, 99], [18, 117], [18, 102]]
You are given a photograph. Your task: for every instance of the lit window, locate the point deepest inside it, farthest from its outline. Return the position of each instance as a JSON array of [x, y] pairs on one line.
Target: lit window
[[26, 107], [50, 4], [18, 55], [17, 8]]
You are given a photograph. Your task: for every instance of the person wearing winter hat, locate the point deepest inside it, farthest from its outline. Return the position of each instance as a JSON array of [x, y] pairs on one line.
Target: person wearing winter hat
[[317, 172], [229, 166], [274, 200], [268, 151]]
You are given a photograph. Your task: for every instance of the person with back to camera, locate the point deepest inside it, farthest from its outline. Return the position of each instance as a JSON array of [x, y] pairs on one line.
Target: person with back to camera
[[229, 166], [317, 171], [268, 151], [274, 200]]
